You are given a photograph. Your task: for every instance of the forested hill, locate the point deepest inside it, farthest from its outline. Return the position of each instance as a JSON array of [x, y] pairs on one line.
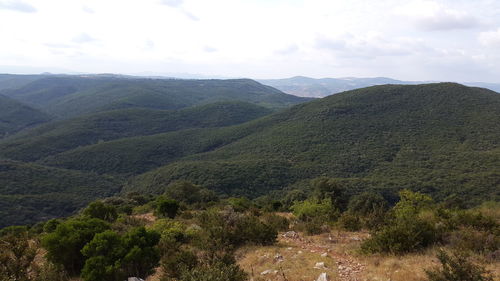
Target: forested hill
[[15, 116], [441, 138], [57, 137], [71, 96]]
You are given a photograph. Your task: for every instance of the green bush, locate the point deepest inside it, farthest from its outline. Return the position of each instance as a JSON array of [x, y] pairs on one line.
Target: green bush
[[350, 222], [166, 207], [315, 210], [225, 230], [101, 210], [457, 267], [277, 222], [470, 239], [401, 237], [64, 245]]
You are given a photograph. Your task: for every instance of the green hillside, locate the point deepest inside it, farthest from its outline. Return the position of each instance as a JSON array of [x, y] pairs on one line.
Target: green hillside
[[15, 116], [64, 135], [438, 138], [71, 96], [30, 193]]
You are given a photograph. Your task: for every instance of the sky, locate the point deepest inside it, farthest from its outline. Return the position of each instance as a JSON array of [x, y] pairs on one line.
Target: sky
[[418, 40]]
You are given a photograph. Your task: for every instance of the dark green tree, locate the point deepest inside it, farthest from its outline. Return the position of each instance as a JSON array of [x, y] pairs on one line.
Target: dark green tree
[[166, 207], [104, 254], [100, 210], [64, 245], [142, 254]]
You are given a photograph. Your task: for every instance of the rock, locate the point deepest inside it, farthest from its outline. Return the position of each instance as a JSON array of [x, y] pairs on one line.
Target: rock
[[134, 279], [324, 255], [323, 277], [278, 258], [265, 272], [291, 234], [299, 252], [320, 265]]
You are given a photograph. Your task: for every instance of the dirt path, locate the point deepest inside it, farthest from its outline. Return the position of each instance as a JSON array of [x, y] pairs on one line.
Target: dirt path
[[348, 268]]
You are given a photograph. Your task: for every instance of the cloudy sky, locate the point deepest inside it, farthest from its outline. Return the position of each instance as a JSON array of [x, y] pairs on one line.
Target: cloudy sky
[[452, 40]]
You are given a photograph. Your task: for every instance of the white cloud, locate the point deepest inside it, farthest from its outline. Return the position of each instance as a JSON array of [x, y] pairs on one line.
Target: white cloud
[[18, 6], [83, 38], [261, 39], [433, 16], [490, 38]]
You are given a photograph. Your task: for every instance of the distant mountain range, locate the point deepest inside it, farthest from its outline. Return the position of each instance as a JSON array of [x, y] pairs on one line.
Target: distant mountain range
[[67, 140], [310, 87]]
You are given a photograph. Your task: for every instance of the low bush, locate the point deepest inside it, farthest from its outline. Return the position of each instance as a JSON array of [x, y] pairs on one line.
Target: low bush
[[457, 267]]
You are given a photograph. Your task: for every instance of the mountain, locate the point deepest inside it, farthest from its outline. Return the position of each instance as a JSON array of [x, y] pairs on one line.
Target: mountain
[[309, 87], [318, 88], [30, 193], [71, 96], [57, 137], [440, 138], [11, 81], [15, 116]]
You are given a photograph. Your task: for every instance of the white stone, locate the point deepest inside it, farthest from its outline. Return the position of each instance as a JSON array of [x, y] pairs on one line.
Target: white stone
[[320, 265], [323, 277], [265, 272]]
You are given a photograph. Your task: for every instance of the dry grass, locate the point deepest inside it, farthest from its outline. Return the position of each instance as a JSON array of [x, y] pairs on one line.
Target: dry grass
[[342, 249]]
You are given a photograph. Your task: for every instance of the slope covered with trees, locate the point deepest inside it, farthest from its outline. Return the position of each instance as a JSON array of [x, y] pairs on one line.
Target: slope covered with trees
[[15, 116], [57, 137], [439, 138], [30, 193], [71, 96]]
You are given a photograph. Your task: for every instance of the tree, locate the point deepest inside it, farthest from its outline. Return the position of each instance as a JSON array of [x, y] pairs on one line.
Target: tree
[[189, 193], [104, 254], [111, 257], [64, 245], [100, 210], [166, 207], [326, 188], [142, 254]]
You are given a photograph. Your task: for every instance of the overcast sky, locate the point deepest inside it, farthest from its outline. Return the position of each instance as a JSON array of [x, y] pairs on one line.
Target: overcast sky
[[452, 40]]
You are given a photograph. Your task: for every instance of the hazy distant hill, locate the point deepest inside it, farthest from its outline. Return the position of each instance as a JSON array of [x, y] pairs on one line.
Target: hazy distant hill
[[71, 96], [12, 81], [56, 137], [437, 138], [310, 87], [15, 116]]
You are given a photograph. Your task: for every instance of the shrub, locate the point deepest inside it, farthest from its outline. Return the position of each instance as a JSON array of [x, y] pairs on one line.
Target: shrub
[[370, 207], [65, 243], [311, 209], [166, 207], [401, 237], [100, 210], [457, 267], [51, 225], [279, 223], [329, 189], [349, 222], [470, 239], [224, 230], [176, 262], [17, 256]]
